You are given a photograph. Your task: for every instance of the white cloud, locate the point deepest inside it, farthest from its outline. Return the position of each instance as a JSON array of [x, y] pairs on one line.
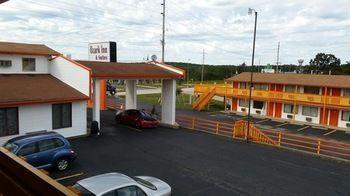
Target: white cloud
[[222, 27]]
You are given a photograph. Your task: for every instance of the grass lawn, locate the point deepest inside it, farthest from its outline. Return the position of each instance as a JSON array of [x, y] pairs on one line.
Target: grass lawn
[[182, 102]]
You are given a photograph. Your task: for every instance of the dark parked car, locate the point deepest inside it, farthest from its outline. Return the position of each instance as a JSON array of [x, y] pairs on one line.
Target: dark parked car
[[43, 150], [111, 89], [139, 119]]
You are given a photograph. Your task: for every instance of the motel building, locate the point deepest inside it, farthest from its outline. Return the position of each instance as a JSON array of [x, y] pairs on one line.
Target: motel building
[[42, 90], [305, 98]]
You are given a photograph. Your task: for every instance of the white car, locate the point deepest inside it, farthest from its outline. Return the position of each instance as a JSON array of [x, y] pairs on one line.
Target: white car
[[118, 184]]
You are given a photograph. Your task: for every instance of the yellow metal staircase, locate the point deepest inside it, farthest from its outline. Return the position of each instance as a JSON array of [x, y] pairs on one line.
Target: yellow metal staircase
[[204, 99], [255, 134]]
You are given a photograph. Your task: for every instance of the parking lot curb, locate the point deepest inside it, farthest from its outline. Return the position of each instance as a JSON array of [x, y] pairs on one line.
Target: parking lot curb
[[176, 126]]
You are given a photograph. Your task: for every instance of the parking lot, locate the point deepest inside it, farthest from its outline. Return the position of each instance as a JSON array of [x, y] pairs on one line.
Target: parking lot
[[196, 163], [262, 123], [278, 125]]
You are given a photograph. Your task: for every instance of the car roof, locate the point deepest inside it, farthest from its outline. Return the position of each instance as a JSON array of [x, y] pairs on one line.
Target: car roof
[[105, 182], [20, 140], [130, 110]]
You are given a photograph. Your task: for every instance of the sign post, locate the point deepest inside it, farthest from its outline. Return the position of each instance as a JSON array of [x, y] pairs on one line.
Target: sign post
[[102, 52]]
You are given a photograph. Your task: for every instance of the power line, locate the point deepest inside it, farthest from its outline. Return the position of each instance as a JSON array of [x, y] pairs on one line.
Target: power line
[[202, 67], [76, 19], [163, 31], [83, 13], [278, 55]]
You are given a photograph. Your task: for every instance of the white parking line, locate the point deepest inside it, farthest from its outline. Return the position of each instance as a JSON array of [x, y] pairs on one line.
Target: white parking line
[[261, 121], [330, 132], [303, 128], [70, 176], [280, 125]]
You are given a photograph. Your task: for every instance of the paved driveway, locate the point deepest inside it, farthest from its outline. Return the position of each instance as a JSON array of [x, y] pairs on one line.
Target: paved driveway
[[199, 164]]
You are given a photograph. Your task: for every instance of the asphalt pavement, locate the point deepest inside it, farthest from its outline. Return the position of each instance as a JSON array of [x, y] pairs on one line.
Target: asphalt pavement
[[200, 164]]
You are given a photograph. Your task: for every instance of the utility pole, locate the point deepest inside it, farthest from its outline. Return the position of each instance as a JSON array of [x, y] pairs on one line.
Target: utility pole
[[251, 85], [202, 67], [278, 55], [163, 31], [188, 71]]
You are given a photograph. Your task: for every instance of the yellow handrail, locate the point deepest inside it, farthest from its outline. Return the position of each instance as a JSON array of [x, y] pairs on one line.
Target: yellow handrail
[[204, 99], [229, 91], [238, 130]]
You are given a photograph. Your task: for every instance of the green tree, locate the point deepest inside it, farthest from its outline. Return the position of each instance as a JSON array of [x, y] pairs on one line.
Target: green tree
[[324, 63], [346, 68]]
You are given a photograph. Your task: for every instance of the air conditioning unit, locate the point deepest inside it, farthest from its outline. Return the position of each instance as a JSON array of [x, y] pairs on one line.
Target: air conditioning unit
[[289, 116], [258, 111], [243, 109], [348, 125], [308, 119]]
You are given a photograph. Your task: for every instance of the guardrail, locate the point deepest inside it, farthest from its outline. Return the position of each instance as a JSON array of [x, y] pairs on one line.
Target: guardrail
[[237, 130], [17, 177], [228, 91]]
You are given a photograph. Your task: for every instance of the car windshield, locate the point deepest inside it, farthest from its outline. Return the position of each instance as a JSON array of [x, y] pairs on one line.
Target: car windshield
[[144, 114], [144, 183], [82, 190], [12, 147]]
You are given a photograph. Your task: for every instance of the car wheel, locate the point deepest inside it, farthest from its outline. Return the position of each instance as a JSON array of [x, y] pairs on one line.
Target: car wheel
[[118, 120], [62, 164], [138, 125]]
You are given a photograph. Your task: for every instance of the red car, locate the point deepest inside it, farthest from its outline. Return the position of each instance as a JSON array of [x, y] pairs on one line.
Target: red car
[[139, 119]]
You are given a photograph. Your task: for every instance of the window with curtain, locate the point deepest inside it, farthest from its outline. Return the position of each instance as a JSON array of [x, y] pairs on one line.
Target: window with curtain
[[289, 108], [28, 64], [346, 92], [262, 87], [291, 89], [5, 63], [243, 85], [310, 111], [345, 116], [311, 90], [243, 103], [258, 105], [9, 121], [61, 115]]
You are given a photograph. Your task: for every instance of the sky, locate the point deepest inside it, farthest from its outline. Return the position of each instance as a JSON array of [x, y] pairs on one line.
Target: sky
[[222, 28]]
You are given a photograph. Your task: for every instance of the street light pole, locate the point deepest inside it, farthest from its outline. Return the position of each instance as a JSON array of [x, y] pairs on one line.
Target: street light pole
[[202, 75], [250, 11], [163, 32]]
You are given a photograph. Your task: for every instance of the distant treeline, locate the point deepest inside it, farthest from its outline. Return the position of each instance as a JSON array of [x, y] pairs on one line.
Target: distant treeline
[[220, 72]]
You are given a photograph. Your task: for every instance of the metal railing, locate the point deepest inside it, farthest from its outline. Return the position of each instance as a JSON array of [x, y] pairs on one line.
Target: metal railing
[[17, 177], [204, 99], [237, 130], [228, 91]]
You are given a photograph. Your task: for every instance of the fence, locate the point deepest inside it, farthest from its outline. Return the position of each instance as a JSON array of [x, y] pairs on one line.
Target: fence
[[238, 130]]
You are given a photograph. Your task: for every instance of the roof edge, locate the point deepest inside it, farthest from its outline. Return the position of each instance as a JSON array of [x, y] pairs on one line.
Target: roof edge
[[74, 62], [168, 67], [15, 103]]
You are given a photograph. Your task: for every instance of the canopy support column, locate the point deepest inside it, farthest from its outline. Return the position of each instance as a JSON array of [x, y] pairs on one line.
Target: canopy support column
[[130, 95], [96, 101], [168, 101]]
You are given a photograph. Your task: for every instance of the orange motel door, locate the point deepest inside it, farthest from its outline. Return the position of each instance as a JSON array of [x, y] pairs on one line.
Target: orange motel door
[[334, 117]]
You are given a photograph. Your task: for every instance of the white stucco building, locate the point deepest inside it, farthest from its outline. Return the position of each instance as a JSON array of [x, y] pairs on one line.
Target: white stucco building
[[40, 90]]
